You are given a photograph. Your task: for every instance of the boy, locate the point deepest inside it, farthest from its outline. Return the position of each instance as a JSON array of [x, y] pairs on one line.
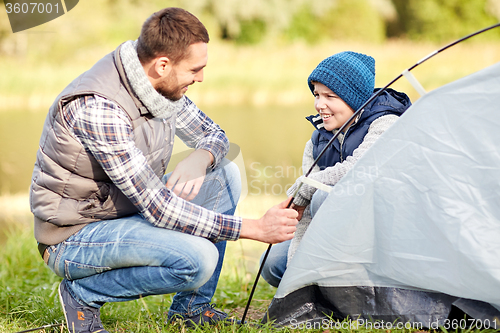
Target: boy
[[341, 84]]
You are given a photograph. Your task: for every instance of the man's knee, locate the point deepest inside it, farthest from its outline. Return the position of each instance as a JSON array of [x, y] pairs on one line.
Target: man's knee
[[202, 262]]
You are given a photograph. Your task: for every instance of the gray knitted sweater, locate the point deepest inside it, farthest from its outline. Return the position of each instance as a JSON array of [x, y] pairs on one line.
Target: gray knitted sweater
[[331, 175]]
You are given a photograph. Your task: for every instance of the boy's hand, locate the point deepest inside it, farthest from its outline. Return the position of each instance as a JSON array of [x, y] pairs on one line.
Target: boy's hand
[[299, 209]]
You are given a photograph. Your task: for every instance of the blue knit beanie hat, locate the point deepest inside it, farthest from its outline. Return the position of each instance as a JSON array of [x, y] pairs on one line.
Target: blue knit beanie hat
[[348, 74]]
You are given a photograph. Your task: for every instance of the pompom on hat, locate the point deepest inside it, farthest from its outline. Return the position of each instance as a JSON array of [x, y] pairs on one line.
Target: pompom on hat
[[348, 74]]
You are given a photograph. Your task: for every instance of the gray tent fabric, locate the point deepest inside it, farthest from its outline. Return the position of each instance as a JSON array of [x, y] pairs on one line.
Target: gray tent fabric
[[412, 230]]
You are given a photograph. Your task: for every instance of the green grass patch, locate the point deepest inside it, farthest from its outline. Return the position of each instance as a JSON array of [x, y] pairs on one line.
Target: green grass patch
[[28, 293], [28, 297]]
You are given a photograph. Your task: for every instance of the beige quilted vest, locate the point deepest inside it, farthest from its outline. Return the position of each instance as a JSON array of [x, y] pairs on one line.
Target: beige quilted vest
[[69, 189]]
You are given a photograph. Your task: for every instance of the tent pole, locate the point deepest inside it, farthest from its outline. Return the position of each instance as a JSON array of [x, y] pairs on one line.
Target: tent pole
[[41, 328], [255, 284], [341, 129]]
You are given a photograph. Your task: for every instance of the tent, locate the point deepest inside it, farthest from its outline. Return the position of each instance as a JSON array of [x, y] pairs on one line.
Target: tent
[[411, 235]]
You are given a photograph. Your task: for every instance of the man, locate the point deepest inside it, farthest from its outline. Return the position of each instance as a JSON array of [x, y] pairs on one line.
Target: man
[[105, 219]]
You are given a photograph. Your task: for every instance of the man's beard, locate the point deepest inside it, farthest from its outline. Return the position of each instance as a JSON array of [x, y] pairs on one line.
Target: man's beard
[[169, 88]]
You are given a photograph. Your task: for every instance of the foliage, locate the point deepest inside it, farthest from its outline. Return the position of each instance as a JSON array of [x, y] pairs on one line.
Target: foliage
[[250, 91], [354, 20], [444, 20], [248, 22], [252, 31], [252, 22], [5, 29]]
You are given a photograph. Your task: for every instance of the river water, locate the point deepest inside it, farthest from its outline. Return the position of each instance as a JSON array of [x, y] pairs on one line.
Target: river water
[[271, 140]]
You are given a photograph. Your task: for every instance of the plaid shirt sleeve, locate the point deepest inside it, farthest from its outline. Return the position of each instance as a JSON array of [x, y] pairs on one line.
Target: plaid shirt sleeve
[[106, 132], [198, 131]]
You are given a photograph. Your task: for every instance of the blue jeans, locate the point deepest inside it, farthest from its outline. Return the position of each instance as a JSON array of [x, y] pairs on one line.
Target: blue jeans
[[275, 264], [127, 258]]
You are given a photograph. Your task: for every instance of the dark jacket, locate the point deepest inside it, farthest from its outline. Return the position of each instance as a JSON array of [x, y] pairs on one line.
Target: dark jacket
[[389, 102]]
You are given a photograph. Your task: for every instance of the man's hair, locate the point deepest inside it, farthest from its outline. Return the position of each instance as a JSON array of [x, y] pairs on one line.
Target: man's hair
[[169, 32]]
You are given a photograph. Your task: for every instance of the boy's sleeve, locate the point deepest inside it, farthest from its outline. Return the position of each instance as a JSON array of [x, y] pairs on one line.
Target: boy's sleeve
[[307, 160], [299, 233]]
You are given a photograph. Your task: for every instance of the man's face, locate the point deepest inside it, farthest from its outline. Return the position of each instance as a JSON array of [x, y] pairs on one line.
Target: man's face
[[184, 73], [333, 110]]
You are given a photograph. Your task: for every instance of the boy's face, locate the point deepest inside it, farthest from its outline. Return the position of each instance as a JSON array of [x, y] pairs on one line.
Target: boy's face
[[333, 110]]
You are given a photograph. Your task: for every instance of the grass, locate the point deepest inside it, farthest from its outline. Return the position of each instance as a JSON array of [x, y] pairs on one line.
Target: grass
[[28, 297]]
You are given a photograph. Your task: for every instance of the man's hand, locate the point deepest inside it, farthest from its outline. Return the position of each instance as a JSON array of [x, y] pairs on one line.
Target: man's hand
[[277, 225], [188, 175]]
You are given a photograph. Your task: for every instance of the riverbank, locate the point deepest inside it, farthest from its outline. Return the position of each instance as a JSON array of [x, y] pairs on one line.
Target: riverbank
[[260, 75]]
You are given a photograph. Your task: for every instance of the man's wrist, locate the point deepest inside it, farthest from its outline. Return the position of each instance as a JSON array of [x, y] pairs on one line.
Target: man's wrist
[[208, 155], [248, 228]]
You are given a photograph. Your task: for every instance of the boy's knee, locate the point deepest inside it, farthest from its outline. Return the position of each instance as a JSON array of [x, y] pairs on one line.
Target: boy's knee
[[317, 200], [271, 274], [275, 265]]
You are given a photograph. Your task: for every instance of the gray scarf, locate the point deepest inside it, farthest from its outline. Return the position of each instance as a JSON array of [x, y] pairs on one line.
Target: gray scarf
[[157, 105]]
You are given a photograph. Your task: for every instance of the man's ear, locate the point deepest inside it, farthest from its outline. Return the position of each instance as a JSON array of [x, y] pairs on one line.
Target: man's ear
[[162, 66]]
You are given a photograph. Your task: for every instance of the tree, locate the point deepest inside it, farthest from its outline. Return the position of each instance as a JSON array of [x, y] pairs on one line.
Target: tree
[[247, 20], [297, 19], [5, 29], [441, 20]]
